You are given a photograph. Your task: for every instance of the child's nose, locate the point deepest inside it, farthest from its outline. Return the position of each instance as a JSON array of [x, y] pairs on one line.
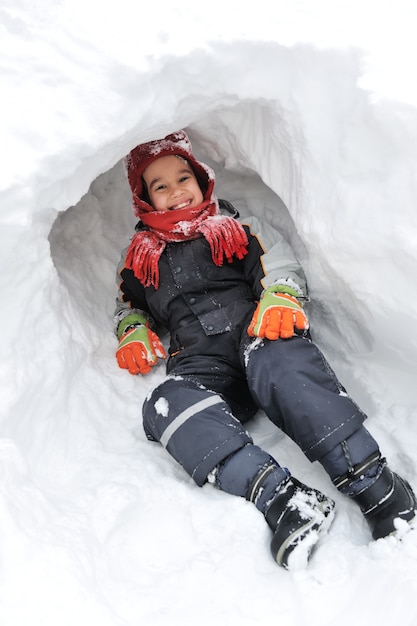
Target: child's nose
[[176, 190]]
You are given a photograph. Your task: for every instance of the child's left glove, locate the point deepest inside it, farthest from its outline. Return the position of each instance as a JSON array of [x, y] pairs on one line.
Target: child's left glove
[[276, 315], [139, 347]]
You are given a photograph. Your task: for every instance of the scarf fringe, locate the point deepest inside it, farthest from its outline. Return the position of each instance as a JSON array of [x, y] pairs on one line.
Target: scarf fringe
[[226, 237], [143, 256]]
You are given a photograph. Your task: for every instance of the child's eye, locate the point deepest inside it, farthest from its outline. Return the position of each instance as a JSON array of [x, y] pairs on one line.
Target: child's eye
[[184, 178], [159, 187]]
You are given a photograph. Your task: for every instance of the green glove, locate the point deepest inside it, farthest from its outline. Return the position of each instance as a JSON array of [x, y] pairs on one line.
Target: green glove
[[139, 347], [277, 314]]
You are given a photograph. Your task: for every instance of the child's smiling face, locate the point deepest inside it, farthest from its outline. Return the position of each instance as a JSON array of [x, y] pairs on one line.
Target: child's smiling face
[[171, 184]]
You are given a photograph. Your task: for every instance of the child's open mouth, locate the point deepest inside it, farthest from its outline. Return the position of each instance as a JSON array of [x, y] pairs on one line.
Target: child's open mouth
[[182, 205]]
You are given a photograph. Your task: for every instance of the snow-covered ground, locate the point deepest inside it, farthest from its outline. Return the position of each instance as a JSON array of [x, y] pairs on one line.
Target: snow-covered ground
[[308, 114]]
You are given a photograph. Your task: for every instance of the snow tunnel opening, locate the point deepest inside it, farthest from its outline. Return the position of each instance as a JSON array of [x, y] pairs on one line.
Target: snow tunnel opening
[[255, 150], [86, 240]]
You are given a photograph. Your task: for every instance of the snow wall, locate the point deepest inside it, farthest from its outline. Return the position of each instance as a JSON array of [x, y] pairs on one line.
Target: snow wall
[[290, 118], [312, 134], [294, 135]]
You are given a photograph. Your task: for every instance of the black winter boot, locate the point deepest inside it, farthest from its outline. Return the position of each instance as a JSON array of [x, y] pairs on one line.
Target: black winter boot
[[298, 516], [388, 499]]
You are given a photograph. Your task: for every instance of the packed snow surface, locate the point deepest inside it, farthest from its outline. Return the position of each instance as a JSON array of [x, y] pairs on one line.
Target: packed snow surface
[[307, 112]]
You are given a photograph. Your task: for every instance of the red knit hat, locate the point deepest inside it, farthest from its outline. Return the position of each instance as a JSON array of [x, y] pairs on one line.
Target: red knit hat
[[227, 238], [143, 155]]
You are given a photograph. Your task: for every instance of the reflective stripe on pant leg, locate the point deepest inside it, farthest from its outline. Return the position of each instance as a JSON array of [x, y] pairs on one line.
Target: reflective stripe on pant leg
[[194, 424], [186, 415]]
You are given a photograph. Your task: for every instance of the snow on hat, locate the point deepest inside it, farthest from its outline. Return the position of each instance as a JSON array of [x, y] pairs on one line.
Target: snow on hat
[[143, 155]]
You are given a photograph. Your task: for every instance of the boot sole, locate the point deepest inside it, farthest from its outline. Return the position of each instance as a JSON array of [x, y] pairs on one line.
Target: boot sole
[[295, 551], [386, 527], [407, 522]]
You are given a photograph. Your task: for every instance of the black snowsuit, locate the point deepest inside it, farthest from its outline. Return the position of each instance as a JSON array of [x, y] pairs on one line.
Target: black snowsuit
[[218, 376]]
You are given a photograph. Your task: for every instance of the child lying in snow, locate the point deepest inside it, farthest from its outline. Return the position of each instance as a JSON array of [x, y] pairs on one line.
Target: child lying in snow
[[231, 296]]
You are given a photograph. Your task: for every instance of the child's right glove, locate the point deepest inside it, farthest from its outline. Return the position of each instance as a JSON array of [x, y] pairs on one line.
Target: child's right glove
[[276, 315], [139, 347]]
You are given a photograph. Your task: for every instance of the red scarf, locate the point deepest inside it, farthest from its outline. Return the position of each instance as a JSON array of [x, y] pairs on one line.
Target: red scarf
[[225, 235]]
